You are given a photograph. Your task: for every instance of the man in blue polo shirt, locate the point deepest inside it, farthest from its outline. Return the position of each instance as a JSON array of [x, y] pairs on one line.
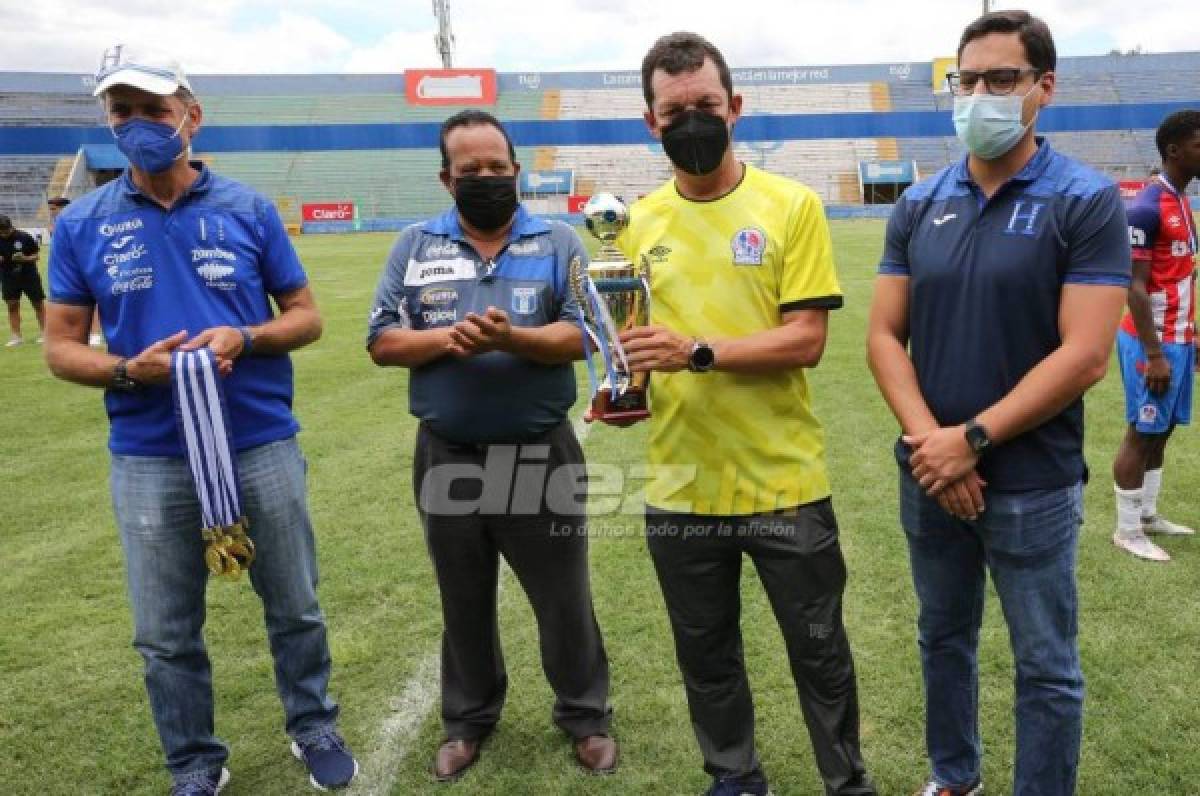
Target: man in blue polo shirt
[[172, 255], [476, 302], [1000, 287]]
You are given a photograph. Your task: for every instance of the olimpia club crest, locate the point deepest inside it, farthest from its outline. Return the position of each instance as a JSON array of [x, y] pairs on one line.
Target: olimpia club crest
[[748, 244]]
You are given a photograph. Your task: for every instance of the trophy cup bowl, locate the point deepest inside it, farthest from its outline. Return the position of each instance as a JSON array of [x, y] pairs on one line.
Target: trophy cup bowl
[[613, 295]]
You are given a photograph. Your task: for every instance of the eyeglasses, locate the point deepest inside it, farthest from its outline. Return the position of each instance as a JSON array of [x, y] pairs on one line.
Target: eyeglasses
[[995, 81]]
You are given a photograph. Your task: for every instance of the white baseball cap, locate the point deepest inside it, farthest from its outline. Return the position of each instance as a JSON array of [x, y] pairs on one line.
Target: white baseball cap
[[153, 72]]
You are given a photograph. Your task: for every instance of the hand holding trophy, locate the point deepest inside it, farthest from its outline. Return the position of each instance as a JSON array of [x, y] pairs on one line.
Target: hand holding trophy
[[613, 295]]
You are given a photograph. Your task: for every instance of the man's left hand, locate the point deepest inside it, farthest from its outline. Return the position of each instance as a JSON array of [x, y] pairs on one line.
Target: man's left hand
[[940, 457], [224, 341], [656, 348]]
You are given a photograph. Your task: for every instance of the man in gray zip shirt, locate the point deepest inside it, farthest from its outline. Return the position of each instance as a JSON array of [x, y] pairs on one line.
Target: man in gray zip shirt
[[476, 303]]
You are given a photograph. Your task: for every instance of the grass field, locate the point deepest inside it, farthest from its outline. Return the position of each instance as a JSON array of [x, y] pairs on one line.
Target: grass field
[[73, 713]]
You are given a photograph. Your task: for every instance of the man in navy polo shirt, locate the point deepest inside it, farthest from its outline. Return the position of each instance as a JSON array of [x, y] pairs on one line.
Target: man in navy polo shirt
[[476, 302], [173, 255], [1000, 287]]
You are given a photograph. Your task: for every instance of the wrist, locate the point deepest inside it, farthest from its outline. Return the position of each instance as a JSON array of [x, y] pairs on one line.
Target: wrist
[[975, 434], [510, 342], [701, 357], [247, 340], [124, 376]]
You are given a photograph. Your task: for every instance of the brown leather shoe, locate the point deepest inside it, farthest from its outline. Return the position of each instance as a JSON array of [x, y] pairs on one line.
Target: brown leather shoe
[[597, 754], [454, 757]]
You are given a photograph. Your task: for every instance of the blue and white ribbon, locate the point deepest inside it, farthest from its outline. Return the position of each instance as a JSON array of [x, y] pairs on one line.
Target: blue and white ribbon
[[202, 417]]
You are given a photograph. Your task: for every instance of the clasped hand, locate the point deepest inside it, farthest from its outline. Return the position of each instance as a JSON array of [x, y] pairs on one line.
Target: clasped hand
[[944, 465]]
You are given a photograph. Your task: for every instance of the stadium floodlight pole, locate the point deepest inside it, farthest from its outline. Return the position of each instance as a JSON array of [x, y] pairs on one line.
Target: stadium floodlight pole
[[444, 38]]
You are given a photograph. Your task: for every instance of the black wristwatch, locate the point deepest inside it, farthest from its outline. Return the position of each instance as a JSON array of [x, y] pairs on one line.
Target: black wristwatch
[[702, 359], [121, 380], [977, 436]]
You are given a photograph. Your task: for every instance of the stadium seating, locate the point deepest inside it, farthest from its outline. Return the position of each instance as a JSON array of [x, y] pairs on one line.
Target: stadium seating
[[383, 183], [23, 181], [402, 183], [222, 109]]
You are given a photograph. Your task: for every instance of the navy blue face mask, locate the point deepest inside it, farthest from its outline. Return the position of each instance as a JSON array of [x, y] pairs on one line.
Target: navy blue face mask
[[150, 146]]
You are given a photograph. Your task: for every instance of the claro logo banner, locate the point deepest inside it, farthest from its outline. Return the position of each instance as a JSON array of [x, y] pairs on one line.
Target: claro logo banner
[[328, 211], [450, 86]]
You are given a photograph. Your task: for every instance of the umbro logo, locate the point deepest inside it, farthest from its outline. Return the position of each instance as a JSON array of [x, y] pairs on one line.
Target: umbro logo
[[937, 222]]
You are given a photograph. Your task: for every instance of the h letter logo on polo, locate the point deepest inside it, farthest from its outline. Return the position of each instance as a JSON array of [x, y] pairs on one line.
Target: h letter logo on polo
[[1024, 218]]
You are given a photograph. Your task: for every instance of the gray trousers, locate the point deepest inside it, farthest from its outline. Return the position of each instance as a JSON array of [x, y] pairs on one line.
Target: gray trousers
[[799, 561], [527, 503]]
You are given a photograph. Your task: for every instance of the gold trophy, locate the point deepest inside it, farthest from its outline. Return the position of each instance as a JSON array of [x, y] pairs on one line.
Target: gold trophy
[[613, 295]]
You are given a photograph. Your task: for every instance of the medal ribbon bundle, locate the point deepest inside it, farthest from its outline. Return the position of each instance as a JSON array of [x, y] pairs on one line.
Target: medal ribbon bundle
[[203, 422]]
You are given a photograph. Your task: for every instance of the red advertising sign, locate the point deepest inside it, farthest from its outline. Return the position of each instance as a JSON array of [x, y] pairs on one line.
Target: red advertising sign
[[575, 203], [328, 211], [1131, 188], [450, 86]]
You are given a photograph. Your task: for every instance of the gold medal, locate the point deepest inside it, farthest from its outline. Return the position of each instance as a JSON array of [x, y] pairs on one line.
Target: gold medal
[[228, 551], [212, 558]]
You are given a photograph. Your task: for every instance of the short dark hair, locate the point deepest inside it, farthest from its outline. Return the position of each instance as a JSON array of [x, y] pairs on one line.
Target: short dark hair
[[1034, 33], [5, 222], [1176, 129], [58, 201], [682, 52], [470, 118]]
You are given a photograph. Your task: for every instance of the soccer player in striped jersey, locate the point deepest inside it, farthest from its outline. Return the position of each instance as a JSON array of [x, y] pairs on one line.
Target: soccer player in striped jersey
[[1156, 342]]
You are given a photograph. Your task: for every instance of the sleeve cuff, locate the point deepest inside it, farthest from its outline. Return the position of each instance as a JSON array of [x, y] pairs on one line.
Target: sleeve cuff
[[893, 269], [74, 301], [289, 287], [1108, 280], [375, 334], [816, 303]]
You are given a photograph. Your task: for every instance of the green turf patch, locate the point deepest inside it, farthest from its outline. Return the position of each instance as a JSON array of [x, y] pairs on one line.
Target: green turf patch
[[74, 716]]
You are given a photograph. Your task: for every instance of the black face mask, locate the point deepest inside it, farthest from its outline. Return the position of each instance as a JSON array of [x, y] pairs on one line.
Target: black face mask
[[486, 203], [696, 141]]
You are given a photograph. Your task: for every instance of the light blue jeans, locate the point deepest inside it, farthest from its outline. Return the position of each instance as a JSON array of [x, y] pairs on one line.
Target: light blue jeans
[[159, 520], [1027, 540]]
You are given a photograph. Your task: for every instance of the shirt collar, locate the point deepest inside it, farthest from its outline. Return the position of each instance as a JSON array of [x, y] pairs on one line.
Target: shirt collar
[[1036, 166], [525, 224], [200, 185]]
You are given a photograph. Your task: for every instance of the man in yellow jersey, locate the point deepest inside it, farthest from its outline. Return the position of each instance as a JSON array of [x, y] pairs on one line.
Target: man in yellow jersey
[[742, 281]]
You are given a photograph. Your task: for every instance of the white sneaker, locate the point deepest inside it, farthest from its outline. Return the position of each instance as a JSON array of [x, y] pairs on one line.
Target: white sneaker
[[96, 340], [1157, 524], [1136, 542], [40, 340], [14, 342], [931, 788]]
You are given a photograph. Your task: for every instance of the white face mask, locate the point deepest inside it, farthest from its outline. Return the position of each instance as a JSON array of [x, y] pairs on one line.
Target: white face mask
[[990, 126]]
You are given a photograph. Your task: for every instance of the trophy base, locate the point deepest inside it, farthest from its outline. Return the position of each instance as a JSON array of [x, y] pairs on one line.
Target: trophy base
[[630, 407]]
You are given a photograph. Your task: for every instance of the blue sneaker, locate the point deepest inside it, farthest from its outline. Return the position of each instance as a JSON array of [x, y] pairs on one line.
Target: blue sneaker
[[738, 787], [328, 759], [202, 784]]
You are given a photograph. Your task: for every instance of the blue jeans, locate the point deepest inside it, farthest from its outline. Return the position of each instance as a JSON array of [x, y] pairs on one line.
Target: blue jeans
[[159, 520], [1028, 541]]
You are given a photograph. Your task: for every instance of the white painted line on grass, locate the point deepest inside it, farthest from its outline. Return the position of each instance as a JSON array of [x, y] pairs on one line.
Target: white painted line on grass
[[409, 711], [415, 703]]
